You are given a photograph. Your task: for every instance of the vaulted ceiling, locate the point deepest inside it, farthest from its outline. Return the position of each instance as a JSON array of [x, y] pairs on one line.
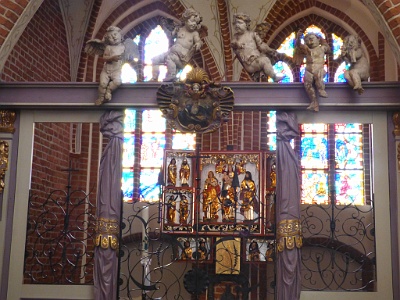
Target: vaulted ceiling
[[85, 19]]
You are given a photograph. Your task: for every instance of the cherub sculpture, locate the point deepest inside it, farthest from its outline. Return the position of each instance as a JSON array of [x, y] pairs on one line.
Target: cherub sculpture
[[115, 52], [187, 42], [250, 49], [314, 50], [352, 53]]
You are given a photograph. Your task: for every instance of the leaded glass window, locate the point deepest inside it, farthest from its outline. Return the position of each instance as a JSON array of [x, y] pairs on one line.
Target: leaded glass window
[[288, 45], [333, 154], [128, 156], [282, 68], [156, 43], [128, 74], [145, 134]]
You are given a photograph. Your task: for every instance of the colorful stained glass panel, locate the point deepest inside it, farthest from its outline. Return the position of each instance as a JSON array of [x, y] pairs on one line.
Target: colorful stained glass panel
[[349, 187], [184, 141], [314, 151], [281, 68], [272, 141], [339, 75], [287, 46], [314, 187], [314, 29], [349, 127], [153, 121], [127, 184], [152, 150], [314, 128], [128, 74], [348, 151], [128, 155], [149, 189], [337, 43], [130, 120], [156, 43], [271, 121]]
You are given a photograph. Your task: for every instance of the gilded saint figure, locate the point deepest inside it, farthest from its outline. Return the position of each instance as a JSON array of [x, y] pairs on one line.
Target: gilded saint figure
[[228, 194], [248, 193], [254, 251], [210, 197], [187, 251], [172, 169], [171, 209], [184, 173], [183, 210]]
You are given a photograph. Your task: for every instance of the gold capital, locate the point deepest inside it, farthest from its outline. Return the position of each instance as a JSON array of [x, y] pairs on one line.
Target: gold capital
[[3, 164], [7, 119], [289, 234]]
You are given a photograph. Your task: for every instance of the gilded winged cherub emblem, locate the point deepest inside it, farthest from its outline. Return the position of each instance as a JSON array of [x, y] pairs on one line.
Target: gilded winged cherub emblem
[[197, 104]]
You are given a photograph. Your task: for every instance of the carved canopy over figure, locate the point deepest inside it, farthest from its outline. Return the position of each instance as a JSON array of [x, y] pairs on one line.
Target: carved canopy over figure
[[252, 52], [187, 42], [352, 53], [314, 51], [115, 52]]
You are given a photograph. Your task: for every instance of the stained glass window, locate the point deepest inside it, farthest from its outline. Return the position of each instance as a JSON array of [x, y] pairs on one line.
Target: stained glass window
[[152, 144], [156, 43], [183, 141], [344, 142], [128, 154], [288, 45], [282, 68], [339, 75], [271, 129], [151, 153], [128, 74], [337, 43], [314, 188]]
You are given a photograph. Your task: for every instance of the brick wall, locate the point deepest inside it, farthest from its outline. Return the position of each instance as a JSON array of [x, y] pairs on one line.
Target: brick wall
[[46, 232], [10, 11], [41, 54], [245, 130]]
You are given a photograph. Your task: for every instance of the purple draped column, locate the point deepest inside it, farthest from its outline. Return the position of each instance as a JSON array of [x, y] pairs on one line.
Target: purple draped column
[[108, 208], [288, 234]]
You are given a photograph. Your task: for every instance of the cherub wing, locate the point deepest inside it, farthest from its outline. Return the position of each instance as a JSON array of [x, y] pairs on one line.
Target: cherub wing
[[131, 52], [203, 31], [168, 25], [95, 47], [262, 29], [298, 54]]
